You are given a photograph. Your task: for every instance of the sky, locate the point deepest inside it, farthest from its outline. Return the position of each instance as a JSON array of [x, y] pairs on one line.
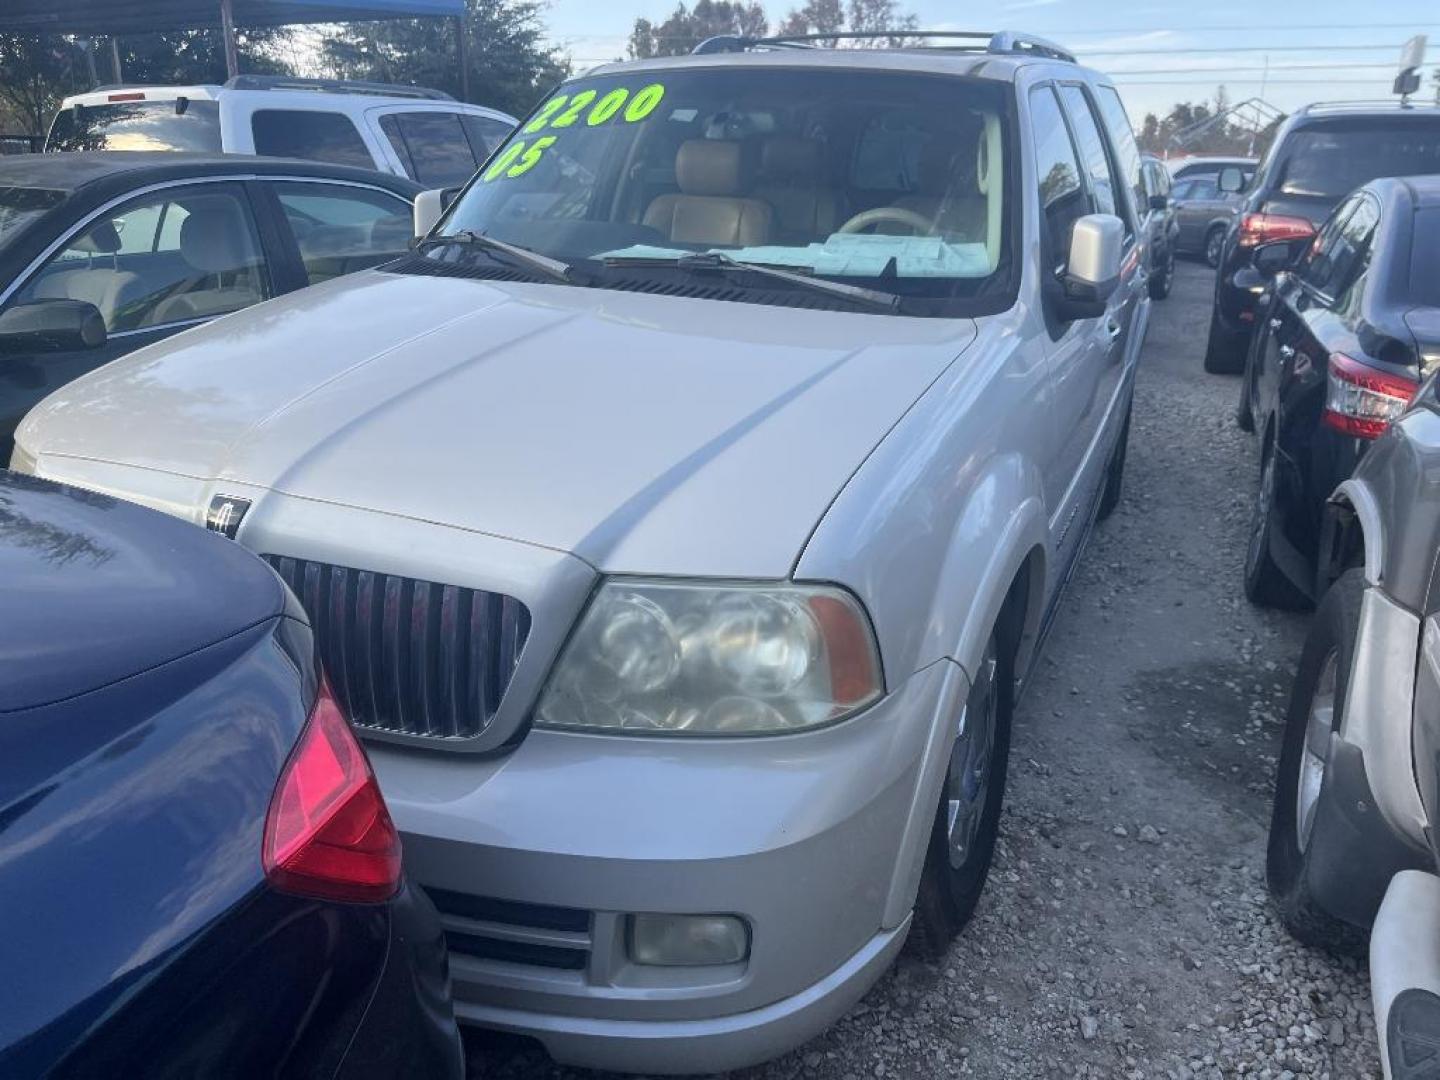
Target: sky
[[1158, 51]]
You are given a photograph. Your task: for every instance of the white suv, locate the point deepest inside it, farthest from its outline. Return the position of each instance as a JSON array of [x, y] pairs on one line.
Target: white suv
[[409, 131]]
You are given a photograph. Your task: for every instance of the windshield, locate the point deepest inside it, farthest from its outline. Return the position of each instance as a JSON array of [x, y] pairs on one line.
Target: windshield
[[180, 124], [896, 182], [19, 206], [1333, 161]]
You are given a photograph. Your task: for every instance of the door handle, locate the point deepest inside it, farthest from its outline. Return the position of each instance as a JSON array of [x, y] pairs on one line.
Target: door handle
[[1287, 352], [1275, 324], [1113, 328]]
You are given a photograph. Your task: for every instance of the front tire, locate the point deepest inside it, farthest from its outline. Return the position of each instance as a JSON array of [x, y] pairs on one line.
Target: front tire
[[967, 821], [1265, 583], [1162, 279], [1316, 707]]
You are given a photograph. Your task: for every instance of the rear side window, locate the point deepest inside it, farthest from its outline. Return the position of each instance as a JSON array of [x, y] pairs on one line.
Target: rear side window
[[180, 124], [1425, 258], [433, 145], [485, 133], [1342, 254], [310, 134], [1330, 161], [1122, 137], [340, 229], [1062, 196]]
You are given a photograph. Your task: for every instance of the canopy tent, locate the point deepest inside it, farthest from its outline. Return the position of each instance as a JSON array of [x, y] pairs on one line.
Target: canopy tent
[[118, 17]]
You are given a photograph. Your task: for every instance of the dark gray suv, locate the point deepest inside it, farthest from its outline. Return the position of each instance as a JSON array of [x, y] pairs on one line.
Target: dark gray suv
[[1358, 792]]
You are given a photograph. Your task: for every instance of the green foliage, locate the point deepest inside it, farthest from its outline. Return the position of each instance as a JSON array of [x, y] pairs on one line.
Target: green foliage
[[195, 56], [35, 73], [510, 65], [686, 27]]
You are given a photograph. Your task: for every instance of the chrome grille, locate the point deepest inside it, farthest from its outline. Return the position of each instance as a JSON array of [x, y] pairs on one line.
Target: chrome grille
[[410, 657]]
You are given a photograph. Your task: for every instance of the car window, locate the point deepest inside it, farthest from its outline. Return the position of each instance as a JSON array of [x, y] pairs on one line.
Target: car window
[[1314, 268], [1062, 196], [178, 124], [315, 135], [1182, 190], [170, 257], [486, 133], [1346, 253], [340, 229], [1105, 185], [1122, 138], [20, 206], [1205, 187], [1332, 160], [432, 145], [1425, 258]]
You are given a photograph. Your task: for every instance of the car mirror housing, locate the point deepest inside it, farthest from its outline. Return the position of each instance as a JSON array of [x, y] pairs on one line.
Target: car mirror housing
[[1271, 259], [1093, 270], [430, 207], [1232, 180], [51, 326]]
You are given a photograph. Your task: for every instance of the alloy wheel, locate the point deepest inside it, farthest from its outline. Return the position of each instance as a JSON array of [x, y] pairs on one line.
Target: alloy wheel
[[1318, 730], [1260, 523], [968, 780], [1213, 243]]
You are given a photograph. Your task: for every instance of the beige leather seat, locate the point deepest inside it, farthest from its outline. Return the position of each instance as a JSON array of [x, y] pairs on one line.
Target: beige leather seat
[[711, 209], [94, 280], [948, 193], [216, 244], [791, 169]]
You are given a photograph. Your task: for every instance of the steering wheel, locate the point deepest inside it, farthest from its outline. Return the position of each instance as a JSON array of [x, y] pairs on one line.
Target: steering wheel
[[917, 223]]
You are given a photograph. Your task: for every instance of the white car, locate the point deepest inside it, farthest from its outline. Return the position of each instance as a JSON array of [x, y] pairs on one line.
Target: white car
[[680, 520], [409, 131]]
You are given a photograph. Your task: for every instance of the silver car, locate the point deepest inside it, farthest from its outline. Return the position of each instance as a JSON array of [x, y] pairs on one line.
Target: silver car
[[680, 521]]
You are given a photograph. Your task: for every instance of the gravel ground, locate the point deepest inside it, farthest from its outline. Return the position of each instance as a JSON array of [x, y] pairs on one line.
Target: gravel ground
[[1125, 931]]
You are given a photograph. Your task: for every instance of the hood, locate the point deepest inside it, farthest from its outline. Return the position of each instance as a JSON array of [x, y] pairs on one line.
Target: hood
[[642, 433]]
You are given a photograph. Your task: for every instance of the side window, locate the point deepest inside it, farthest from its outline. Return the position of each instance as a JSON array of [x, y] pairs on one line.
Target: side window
[[1104, 184], [1206, 187], [1062, 197], [1122, 138], [1183, 190], [485, 134], [1315, 267], [432, 145], [342, 229], [1348, 256], [310, 134], [174, 256]]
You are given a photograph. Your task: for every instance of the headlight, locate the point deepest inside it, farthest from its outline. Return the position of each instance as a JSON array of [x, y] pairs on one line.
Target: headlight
[[22, 462], [662, 658]]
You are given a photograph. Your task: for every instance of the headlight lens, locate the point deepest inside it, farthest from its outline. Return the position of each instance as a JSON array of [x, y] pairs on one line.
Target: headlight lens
[[665, 658]]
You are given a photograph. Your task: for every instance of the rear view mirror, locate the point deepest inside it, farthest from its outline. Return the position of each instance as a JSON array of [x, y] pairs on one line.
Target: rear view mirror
[[1093, 271], [1232, 180], [51, 326], [1271, 259]]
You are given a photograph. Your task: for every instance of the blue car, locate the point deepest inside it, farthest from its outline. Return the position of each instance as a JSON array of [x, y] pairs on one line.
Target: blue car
[[198, 874]]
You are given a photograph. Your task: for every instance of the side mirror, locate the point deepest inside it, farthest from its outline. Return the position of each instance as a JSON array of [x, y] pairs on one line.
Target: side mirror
[[1232, 180], [430, 207], [1093, 271], [1270, 259], [51, 326], [1159, 202]]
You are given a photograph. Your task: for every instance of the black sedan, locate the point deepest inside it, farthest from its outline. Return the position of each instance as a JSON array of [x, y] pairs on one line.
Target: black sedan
[[198, 875], [1349, 334], [101, 253]]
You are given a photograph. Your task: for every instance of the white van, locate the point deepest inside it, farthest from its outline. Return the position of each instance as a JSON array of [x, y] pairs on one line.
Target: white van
[[409, 131]]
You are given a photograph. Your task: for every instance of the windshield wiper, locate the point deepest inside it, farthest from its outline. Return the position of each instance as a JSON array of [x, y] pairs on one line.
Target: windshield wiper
[[543, 265], [719, 262]]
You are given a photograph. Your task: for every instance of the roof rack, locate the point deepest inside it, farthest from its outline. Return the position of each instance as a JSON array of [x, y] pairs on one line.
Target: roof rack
[[333, 86], [1375, 103], [1007, 42]]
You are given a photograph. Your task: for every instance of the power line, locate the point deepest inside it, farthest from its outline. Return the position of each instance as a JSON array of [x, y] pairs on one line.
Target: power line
[[1239, 49]]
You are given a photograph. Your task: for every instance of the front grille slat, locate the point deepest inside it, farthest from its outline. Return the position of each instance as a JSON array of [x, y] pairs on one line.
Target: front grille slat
[[407, 656]]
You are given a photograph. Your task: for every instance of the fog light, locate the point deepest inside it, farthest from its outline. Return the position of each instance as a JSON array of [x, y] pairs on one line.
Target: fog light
[[688, 940]]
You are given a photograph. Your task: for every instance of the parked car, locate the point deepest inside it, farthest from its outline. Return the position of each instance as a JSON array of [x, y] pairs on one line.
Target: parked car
[[1159, 225], [1357, 797], [1203, 214], [1320, 154], [1198, 166], [1340, 351], [407, 131], [199, 874], [101, 253], [720, 579]]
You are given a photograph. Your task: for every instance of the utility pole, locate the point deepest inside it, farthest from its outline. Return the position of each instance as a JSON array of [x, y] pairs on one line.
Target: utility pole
[[462, 54], [227, 31], [115, 59]]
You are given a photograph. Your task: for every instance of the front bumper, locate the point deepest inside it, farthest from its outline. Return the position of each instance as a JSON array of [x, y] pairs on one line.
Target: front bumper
[[535, 860]]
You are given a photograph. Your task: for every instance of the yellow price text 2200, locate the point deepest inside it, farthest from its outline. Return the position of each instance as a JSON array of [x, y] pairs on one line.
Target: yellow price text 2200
[[587, 107]]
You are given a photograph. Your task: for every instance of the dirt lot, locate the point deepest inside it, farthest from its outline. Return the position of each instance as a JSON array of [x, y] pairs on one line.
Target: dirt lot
[[1125, 931]]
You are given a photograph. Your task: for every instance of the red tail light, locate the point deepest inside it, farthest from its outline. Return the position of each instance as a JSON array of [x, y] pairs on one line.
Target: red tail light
[[1257, 229], [328, 834], [1363, 401], [126, 97]]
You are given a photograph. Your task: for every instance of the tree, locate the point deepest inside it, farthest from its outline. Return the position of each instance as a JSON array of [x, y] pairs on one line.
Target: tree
[[197, 56], [687, 27], [510, 66], [816, 17], [36, 71], [877, 16]]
